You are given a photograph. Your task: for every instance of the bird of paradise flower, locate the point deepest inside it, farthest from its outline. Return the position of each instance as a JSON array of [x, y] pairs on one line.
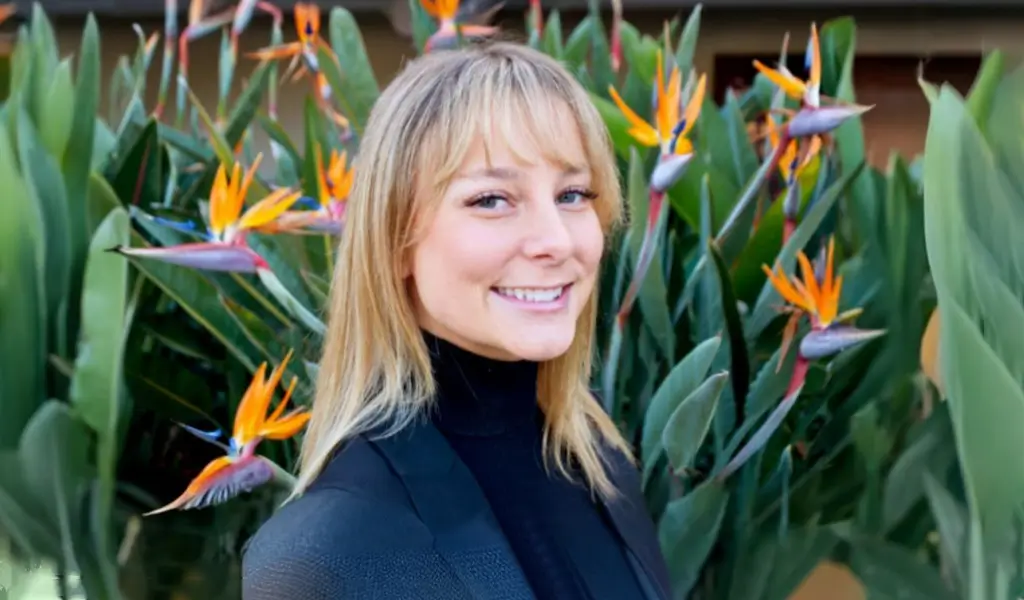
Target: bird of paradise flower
[[303, 53], [328, 210], [241, 469], [815, 296], [793, 160], [449, 28], [812, 118], [672, 124], [224, 247]]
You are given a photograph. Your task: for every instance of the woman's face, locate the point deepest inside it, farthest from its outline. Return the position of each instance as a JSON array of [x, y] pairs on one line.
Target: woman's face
[[512, 252]]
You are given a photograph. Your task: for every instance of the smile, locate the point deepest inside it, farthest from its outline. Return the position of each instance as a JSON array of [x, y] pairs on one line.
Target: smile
[[534, 295]]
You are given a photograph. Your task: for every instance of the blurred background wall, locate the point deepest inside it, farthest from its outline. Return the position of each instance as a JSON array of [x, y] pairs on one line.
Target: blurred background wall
[[895, 39]]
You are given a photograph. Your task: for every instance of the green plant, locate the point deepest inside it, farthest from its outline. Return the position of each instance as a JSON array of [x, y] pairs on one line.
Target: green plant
[[773, 448]]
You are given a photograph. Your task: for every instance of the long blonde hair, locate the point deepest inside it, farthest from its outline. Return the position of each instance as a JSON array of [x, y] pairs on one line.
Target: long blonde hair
[[375, 368]]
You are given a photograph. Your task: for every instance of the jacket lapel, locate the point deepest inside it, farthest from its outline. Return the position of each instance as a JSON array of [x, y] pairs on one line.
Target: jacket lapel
[[631, 518], [454, 508]]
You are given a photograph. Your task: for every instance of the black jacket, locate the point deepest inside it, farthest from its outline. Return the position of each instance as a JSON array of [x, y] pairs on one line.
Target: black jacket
[[402, 518]]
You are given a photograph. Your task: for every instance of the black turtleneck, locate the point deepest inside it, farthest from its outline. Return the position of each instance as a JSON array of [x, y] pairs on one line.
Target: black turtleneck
[[487, 410]]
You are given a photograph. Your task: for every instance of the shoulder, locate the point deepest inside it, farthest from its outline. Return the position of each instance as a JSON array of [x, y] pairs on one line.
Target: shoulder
[[354, 516]]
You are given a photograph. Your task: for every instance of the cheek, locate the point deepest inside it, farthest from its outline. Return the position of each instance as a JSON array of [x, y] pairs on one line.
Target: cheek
[[458, 255], [589, 242]]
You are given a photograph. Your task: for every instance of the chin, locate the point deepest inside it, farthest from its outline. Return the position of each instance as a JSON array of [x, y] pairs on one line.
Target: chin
[[539, 344]]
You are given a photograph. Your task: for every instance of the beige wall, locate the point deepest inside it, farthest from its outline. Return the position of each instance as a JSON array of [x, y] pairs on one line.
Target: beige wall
[[897, 122]]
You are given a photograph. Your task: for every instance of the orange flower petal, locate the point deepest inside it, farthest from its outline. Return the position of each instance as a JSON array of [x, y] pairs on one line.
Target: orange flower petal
[[197, 485], [287, 426], [695, 104], [789, 84], [276, 52], [269, 208]]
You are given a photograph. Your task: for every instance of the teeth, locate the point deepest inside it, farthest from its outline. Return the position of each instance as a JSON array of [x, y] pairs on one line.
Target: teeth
[[532, 294]]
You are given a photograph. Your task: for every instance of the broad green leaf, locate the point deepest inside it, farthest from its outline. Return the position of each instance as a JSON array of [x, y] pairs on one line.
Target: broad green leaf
[[59, 111], [689, 424], [246, 105], [552, 40], [20, 518], [22, 301], [929, 452], [357, 90], [688, 531], [198, 297], [78, 156], [96, 387], [889, 571], [54, 454], [687, 46], [576, 45], [682, 380], [979, 277], [43, 180], [983, 91]]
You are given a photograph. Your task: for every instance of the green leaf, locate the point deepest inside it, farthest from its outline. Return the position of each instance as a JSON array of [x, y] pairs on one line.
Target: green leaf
[[246, 106], [739, 360], [977, 265], [681, 381], [78, 156], [20, 517], [687, 46], [889, 571], [357, 89], [137, 180], [576, 45], [198, 297], [96, 387], [54, 454], [59, 110], [43, 180], [930, 451], [689, 424], [688, 531], [952, 522], [983, 91], [22, 301], [552, 40]]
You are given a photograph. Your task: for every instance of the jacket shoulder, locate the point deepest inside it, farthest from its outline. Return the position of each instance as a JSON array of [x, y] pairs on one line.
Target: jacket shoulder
[[352, 531]]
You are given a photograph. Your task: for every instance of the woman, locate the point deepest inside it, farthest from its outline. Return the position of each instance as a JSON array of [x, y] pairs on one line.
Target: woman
[[454, 451]]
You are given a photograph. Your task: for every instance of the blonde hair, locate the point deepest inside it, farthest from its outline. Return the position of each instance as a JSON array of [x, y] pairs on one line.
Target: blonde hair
[[375, 369]]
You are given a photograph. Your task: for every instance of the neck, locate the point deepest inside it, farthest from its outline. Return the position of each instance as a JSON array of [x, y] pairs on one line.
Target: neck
[[479, 395]]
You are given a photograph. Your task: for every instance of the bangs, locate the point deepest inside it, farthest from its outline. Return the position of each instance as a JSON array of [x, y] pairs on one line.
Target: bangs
[[530, 109]]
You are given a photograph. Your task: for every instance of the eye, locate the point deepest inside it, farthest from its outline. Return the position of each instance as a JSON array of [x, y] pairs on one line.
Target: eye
[[487, 201], [577, 196]]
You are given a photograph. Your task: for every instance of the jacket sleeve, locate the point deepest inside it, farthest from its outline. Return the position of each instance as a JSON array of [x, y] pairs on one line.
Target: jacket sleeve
[[334, 544]]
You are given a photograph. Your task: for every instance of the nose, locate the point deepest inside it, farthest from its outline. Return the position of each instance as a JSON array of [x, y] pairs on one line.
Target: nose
[[547, 235]]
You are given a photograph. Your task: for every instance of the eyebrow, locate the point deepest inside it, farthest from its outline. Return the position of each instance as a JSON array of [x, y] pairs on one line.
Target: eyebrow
[[510, 174]]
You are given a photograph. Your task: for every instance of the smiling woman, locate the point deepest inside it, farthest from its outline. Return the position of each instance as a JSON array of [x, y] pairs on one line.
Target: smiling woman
[[454, 451]]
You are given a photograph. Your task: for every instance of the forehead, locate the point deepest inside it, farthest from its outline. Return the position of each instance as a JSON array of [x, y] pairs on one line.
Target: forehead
[[546, 132]]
